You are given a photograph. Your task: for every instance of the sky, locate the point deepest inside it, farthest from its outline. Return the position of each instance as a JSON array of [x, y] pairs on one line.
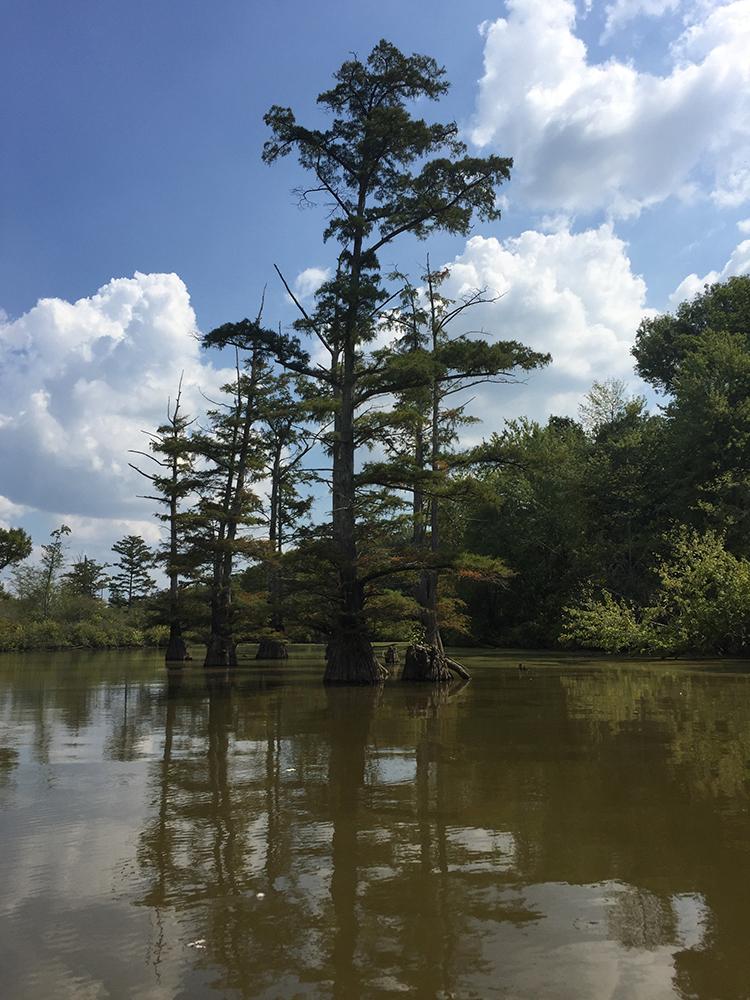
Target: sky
[[136, 213]]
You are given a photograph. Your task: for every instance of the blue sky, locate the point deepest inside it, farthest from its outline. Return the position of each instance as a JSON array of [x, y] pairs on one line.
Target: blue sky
[[136, 209]]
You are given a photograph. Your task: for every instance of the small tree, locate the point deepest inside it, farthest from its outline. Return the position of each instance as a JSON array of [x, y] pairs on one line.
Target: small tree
[[174, 447], [131, 580], [85, 578], [53, 559]]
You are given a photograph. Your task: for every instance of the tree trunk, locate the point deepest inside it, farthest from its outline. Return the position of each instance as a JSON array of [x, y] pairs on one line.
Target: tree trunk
[[425, 663], [176, 648], [352, 661], [221, 651], [425, 594], [429, 663], [272, 649]]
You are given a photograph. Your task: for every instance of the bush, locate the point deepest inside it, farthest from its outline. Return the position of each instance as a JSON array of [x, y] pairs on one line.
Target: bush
[[45, 634], [11, 635], [701, 605]]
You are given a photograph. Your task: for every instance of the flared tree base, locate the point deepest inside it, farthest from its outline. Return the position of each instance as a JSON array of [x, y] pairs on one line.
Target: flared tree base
[[220, 652], [272, 649], [431, 665], [352, 661], [176, 654]]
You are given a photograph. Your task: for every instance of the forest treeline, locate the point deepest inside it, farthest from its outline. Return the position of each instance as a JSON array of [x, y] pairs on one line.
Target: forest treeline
[[623, 530]]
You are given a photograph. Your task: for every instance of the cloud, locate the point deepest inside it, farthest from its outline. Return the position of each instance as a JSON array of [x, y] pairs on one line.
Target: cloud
[[738, 263], [309, 281], [588, 136], [80, 383], [572, 295], [621, 12], [10, 513]]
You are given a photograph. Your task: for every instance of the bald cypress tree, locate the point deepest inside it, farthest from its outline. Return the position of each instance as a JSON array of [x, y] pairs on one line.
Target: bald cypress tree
[[383, 174], [173, 452]]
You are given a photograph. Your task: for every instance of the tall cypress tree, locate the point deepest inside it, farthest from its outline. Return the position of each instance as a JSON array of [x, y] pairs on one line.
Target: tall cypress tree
[[420, 432], [383, 174]]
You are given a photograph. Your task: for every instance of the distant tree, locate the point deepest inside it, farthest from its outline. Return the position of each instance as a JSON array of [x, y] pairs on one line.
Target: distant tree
[[131, 580], [533, 516], [232, 454], [53, 559], [173, 452], [605, 403], [15, 546], [701, 358], [285, 442], [86, 577]]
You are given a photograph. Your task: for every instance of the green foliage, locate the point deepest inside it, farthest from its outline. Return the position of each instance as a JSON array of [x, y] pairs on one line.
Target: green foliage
[[130, 580], [614, 626], [606, 404], [706, 592], [85, 578], [662, 343], [47, 611], [15, 546], [101, 628], [710, 436], [702, 605], [701, 356]]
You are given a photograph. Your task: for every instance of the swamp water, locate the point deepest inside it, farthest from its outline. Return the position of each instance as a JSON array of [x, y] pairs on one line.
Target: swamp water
[[579, 830]]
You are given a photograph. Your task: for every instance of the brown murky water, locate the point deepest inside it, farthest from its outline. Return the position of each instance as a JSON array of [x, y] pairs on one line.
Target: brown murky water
[[577, 831]]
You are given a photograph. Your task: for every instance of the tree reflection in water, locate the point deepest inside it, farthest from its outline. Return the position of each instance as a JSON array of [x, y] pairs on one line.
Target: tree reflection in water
[[582, 834], [274, 873], [344, 842], [350, 712]]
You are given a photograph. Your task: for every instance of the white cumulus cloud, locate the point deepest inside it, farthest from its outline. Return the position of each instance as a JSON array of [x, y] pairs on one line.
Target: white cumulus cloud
[[572, 295], [80, 383], [621, 12], [587, 136], [309, 281], [738, 263]]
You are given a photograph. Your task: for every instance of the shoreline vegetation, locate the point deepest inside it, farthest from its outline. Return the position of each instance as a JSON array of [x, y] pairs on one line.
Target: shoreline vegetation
[[622, 533]]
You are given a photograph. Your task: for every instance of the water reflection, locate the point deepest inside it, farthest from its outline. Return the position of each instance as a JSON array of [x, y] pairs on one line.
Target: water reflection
[[576, 834]]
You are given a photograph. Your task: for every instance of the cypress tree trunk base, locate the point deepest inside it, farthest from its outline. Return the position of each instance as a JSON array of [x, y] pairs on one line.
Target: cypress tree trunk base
[[176, 653], [272, 649], [220, 652], [352, 661], [430, 664]]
